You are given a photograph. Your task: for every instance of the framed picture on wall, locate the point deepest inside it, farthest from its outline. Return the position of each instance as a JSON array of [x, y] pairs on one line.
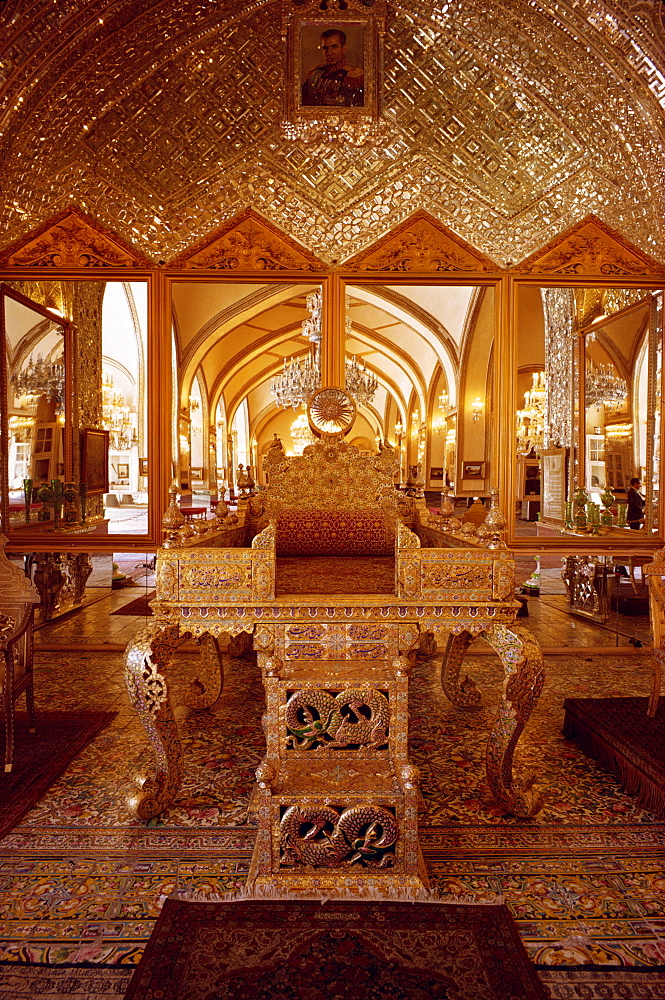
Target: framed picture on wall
[[473, 470], [95, 460], [143, 466], [333, 64], [196, 472], [122, 469], [436, 473]]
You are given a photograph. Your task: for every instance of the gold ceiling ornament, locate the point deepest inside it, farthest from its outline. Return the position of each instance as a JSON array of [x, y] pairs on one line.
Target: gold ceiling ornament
[[248, 242], [72, 240], [331, 412], [179, 126], [421, 243], [591, 248]]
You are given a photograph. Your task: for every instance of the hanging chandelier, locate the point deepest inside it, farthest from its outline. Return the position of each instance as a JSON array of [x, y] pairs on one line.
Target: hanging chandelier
[[39, 378], [117, 418], [604, 386], [531, 420], [301, 435], [301, 377]]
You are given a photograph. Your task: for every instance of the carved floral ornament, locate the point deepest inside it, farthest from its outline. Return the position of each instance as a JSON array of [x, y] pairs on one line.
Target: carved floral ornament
[[250, 243]]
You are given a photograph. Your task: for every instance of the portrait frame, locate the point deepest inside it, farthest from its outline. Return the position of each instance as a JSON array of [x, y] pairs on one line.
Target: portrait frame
[[473, 470], [122, 470], [363, 27], [143, 466], [95, 460]]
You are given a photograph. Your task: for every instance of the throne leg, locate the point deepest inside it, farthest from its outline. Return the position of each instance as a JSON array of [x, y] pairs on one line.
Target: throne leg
[[523, 681], [145, 659], [206, 687], [465, 695]]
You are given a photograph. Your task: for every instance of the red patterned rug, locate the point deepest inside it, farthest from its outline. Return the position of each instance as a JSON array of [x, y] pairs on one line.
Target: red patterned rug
[[41, 757], [266, 949], [335, 575], [618, 733]]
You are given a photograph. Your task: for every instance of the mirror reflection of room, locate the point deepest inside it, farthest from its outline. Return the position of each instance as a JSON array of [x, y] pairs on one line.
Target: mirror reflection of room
[[75, 407], [588, 411]]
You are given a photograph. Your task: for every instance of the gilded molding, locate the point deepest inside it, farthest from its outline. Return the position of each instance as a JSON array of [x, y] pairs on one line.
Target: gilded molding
[[591, 248], [421, 243], [72, 240], [248, 243]]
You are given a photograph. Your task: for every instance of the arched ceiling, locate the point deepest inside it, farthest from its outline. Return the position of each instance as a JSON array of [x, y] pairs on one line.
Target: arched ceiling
[[507, 122]]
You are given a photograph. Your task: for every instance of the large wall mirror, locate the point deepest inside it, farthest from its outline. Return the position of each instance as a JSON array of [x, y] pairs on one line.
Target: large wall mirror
[[588, 415], [245, 355], [418, 360], [430, 349], [74, 411]]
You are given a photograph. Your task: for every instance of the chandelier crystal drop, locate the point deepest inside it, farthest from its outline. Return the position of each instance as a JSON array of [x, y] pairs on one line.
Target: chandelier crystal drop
[[40, 378]]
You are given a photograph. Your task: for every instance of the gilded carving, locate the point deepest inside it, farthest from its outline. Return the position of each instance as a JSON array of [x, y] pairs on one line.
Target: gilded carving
[[248, 243], [72, 240], [361, 834], [421, 244], [590, 248]]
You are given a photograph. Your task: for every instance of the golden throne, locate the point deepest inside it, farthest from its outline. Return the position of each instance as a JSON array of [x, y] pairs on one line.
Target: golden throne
[[337, 795]]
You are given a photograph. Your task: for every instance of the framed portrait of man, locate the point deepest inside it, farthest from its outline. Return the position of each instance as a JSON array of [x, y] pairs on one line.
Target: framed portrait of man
[[332, 65], [333, 62]]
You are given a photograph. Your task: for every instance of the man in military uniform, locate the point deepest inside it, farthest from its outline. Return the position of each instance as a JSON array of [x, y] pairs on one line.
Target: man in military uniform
[[334, 83]]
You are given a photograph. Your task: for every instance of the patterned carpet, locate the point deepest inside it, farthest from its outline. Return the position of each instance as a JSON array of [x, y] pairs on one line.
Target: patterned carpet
[[80, 882]]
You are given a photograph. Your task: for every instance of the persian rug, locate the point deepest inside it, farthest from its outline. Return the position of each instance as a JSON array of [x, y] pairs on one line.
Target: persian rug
[[618, 734], [61, 983], [140, 606], [42, 756], [335, 575], [604, 984], [297, 950]]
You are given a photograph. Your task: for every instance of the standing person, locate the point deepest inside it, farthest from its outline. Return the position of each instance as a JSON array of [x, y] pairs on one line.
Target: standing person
[[334, 83], [635, 512]]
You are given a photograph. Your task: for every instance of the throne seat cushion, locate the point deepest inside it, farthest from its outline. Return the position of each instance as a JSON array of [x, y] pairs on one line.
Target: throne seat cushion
[[335, 533]]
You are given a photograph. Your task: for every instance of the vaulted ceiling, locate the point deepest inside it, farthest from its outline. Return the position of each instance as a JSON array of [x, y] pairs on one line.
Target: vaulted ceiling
[[508, 122]]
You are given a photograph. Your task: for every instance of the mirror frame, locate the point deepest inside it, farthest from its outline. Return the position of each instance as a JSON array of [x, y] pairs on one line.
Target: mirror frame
[[571, 543], [420, 250], [7, 292]]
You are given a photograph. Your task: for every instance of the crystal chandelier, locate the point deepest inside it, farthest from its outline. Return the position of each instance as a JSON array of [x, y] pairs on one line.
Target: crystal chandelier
[[603, 385], [301, 435], [531, 420], [117, 417], [301, 377], [358, 381], [39, 378]]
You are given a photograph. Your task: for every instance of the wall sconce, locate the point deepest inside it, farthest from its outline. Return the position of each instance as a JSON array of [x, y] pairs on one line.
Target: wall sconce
[[443, 400], [477, 408], [194, 404], [415, 425], [439, 425]]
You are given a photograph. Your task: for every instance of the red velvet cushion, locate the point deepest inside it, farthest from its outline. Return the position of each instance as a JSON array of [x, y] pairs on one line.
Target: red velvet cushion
[[335, 533]]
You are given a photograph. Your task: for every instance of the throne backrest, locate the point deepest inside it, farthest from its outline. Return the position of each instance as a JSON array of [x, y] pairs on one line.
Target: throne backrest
[[331, 500]]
